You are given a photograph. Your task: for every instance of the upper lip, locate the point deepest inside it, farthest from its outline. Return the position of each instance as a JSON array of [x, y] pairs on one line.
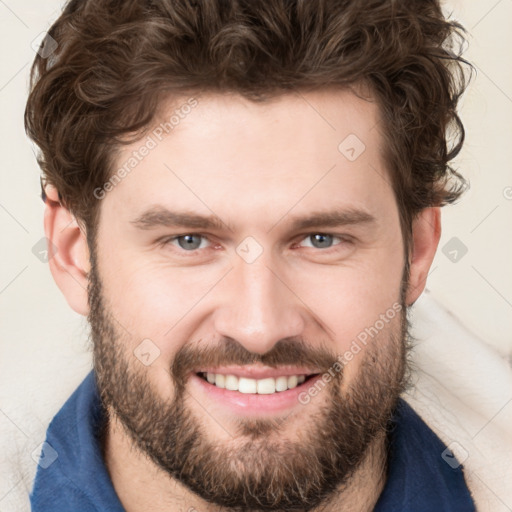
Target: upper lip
[[258, 372]]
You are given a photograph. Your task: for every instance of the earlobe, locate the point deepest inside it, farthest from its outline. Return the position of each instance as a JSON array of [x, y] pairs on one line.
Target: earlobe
[[68, 254], [426, 232]]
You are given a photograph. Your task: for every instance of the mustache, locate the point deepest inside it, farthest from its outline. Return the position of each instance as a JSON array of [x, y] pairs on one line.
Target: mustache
[[288, 351]]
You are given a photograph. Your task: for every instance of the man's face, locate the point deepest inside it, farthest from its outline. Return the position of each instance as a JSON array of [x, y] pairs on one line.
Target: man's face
[[260, 297]]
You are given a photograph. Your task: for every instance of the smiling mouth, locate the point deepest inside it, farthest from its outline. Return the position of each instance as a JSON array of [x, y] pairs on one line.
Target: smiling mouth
[[266, 386]]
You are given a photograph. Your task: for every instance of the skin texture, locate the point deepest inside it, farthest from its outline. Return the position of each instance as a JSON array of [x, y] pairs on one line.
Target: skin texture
[[256, 167]]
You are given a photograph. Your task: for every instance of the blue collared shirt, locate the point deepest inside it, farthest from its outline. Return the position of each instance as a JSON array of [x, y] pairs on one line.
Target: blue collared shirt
[[72, 476]]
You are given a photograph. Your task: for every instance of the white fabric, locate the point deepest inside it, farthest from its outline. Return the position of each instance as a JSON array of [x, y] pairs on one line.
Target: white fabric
[[463, 392]]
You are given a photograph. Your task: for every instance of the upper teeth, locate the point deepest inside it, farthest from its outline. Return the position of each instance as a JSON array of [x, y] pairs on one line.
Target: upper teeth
[[260, 386]]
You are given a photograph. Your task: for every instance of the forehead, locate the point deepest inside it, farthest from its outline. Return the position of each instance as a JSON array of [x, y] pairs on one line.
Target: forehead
[[224, 153]]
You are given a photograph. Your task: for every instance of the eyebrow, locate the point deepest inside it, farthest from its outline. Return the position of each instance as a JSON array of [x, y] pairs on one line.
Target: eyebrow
[[159, 216], [332, 219]]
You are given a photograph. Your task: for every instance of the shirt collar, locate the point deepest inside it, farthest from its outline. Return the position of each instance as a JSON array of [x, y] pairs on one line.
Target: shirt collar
[[419, 478]]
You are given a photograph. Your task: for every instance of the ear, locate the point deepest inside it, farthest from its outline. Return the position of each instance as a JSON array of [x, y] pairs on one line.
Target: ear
[[68, 254], [426, 232]]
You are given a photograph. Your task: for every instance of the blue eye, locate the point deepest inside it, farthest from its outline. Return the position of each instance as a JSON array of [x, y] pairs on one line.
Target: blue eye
[[322, 240], [190, 242]]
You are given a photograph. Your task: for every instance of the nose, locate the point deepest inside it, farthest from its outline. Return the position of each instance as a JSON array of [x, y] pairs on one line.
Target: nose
[[258, 308]]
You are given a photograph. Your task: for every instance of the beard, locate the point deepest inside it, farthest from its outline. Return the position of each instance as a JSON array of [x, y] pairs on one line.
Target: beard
[[260, 469]]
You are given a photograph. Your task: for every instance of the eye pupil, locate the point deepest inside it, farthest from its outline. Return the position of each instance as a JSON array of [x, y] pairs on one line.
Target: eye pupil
[[320, 240], [188, 242]]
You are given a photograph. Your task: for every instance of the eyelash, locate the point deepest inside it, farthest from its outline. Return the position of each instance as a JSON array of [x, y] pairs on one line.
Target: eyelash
[[344, 239]]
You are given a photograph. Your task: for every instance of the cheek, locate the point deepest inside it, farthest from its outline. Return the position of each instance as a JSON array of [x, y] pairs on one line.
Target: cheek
[[153, 300], [350, 299], [363, 310]]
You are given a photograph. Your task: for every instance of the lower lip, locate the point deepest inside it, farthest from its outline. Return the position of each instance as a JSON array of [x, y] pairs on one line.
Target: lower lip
[[248, 404]]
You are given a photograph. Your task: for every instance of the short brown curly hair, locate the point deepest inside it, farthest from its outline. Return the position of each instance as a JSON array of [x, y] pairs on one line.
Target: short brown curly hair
[[117, 59]]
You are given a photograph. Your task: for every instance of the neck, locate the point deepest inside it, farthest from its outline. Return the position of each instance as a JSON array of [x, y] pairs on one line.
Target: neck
[[141, 485]]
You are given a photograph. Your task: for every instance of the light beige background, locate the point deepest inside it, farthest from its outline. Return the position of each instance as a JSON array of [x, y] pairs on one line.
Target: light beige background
[[464, 323]]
